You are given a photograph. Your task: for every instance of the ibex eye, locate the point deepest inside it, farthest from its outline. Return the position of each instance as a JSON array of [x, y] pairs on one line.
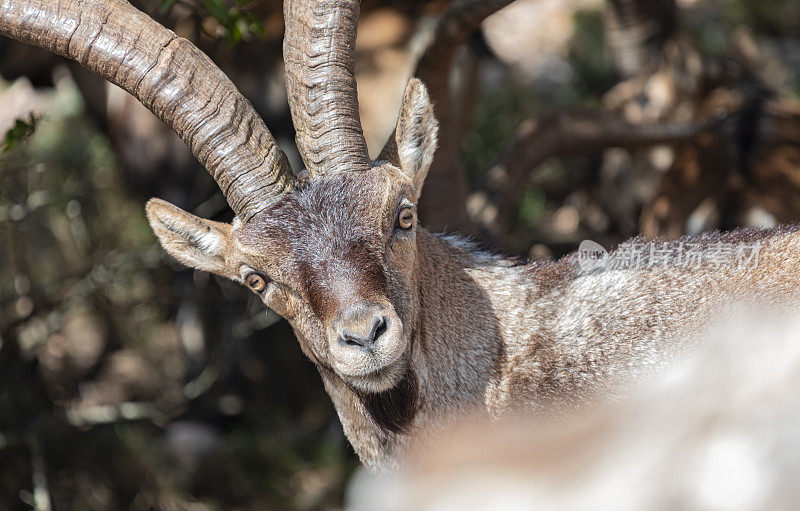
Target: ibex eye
[[405, 218], [255, 282]]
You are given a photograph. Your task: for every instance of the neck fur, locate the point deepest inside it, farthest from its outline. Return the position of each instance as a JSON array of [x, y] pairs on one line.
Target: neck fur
[[456, 352]]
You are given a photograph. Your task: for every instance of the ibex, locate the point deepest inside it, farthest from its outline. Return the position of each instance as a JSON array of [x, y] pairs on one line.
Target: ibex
[[405, 326]]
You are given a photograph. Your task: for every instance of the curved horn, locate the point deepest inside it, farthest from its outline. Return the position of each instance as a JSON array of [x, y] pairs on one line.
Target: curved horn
[[172, 78], [318, 51]]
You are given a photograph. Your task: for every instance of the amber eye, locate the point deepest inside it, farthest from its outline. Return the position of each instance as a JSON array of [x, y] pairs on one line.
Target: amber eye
[[255, 282], [405, 219]]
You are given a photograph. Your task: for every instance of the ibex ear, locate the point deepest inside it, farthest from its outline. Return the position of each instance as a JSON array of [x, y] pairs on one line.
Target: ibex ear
[[193, 241], [415, 136]]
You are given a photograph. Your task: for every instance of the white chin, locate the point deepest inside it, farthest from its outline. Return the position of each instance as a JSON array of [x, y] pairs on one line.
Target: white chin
[[380, 380]]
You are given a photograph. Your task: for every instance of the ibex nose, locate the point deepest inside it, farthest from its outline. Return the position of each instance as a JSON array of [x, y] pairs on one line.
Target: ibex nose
[[360, 326]]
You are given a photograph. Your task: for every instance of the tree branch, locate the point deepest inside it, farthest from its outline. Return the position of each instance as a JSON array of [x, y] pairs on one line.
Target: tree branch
[[563, 135], [446, 177], [636, 31]]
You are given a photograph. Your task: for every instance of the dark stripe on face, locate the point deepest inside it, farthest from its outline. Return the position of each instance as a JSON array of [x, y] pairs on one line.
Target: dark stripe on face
[[356, 275]]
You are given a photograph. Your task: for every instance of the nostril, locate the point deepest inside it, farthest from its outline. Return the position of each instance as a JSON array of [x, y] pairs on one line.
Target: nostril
[[350, 336], [380, 327], [351, 341]]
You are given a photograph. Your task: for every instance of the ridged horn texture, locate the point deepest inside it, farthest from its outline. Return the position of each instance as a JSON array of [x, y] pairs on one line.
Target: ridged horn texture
[[318, 51], [172, 78]]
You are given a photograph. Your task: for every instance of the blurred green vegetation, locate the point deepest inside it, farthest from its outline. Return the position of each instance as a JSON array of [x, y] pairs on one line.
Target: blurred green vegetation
[[497, 113], [237, 21], [769, 17], [589, 58], [20, 132]]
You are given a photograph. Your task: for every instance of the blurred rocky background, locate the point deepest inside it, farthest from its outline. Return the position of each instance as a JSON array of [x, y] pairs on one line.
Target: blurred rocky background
[[129, 382]]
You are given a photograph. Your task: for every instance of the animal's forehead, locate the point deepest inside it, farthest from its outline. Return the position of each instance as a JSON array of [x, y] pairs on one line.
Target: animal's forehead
[[327, 212]]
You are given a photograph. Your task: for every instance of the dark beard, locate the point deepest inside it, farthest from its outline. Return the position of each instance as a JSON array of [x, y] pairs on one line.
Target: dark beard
[[394, 409]]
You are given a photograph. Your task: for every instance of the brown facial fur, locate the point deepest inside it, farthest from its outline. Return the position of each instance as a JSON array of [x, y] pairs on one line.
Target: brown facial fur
[[331, 245]]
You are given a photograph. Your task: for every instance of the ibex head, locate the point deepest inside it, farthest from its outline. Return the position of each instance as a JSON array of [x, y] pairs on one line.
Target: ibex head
[[336, 256], [332, 248]]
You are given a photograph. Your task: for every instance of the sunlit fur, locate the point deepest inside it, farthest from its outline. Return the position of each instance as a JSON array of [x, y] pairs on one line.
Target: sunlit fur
[[717, 431], [468, 330]]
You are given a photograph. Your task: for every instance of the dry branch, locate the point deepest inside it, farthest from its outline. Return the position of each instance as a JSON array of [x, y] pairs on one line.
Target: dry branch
[[446, 176], [563, 135]]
